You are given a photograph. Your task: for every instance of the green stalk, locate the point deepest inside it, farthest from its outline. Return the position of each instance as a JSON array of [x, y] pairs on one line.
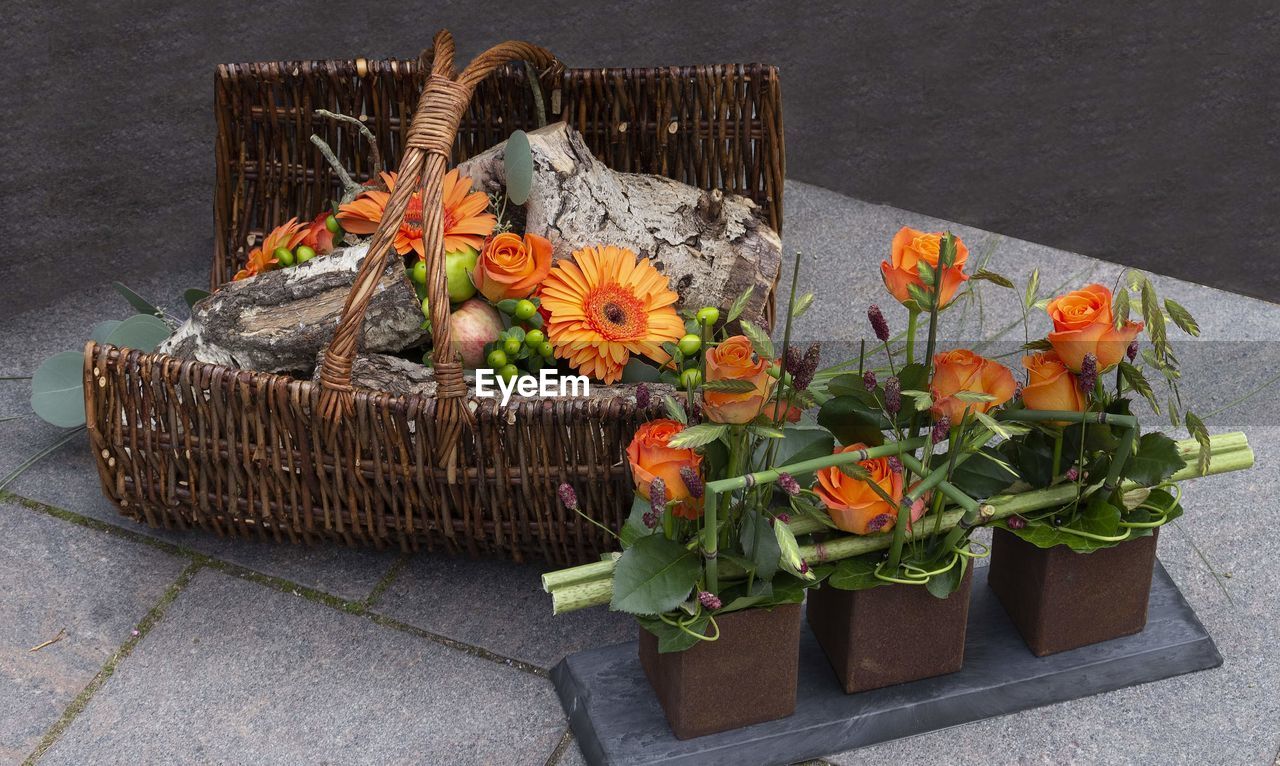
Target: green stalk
[[808, 466], [1230, 451], [912, 316]]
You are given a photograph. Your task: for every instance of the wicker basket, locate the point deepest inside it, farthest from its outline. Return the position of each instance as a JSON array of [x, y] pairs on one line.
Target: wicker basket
[[182, 444]]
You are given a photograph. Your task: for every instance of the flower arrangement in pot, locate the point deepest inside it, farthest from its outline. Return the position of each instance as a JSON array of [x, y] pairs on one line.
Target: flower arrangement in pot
[[744, 503]]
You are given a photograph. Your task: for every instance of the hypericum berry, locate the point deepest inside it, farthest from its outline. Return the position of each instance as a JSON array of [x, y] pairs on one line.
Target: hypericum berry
[[568, 498], [643, 398], [1132, 351], [878, 323], [892, 396], [788, 484], [941, 429], [689, 344], [691, 378], [708, 315], [525, 309], [304, 253], [658, 495], [1088, 373], [708, 600], [869, 380], [895, 464], [1016, 522], [692, 481]]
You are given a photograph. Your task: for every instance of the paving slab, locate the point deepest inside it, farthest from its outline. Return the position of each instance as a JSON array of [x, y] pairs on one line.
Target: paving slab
[[241, 673], [63, 579], [497, 605]]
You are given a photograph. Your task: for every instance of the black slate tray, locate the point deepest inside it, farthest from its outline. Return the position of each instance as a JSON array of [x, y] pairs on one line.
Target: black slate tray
[[617, 720]]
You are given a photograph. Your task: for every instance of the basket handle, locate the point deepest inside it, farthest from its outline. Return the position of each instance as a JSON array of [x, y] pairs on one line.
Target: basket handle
[[427, 150]]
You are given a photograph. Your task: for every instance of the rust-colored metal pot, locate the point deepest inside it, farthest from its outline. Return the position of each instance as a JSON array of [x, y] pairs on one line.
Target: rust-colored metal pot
[[1059, 599], [746, 676], [891, 634]]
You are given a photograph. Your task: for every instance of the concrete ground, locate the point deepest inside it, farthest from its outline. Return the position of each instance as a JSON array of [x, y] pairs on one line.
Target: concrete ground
[[188, 648]]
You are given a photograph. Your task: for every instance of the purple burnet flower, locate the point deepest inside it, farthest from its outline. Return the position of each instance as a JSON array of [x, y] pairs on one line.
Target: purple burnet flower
[[804, 567], [1016, 522], [879, 522], [941, 429], [658, 495], [791, 360], [568, 498], [895, 464], [878, 324], [1073, 473], [643, 398], [801, 368], [788, 484], [692, 481], [892, 395], [1132, 351], [869, 380], [1088, 373], [785, 518], [709, 600]]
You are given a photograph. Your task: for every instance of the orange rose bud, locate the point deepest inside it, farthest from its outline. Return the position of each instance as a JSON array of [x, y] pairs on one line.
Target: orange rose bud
[[651, 458], [852, 504], [511, 267], [318, 236], [1050, 385], [1083, 324], [735, 359], [910, 247], [963, 370]]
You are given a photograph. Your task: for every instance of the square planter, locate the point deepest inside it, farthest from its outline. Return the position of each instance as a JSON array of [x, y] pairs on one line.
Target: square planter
[[891, 634], [1059, 599], [746, 676]]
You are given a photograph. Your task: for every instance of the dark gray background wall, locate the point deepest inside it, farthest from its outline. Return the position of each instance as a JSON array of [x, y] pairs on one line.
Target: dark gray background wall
[[1140, 132]]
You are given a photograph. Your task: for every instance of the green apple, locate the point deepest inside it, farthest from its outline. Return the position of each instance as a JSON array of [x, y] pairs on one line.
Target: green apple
[[458, 266]]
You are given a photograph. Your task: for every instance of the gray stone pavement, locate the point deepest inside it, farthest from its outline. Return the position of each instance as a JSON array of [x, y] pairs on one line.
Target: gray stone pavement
[[257, 652]]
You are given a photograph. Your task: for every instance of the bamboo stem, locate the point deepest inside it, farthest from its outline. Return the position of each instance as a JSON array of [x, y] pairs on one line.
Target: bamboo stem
[[1230, 452]]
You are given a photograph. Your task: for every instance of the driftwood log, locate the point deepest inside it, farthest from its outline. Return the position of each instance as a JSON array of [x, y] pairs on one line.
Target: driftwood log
[[711, 245], [394, 375], [279, 320]]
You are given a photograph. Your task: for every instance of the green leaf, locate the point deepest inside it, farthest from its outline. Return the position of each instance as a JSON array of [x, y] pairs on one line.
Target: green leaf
[[696, 436], [1041, 344], [990, 276], [102, 330], [1155, 460], [517, 158], [857, 573], [636, 371], [851, 421], [802, 305], [927, 274], [507, 306], [923, 399], [739, 305], [1181, 317], [675, 410], [670, 637], [914, 376], [945, 583], [984, 474], [801, 443], [789, 551], [922, 299], [760, 544], [1033, 287], [57, 390], [143, 332], [654, 576], [973, 397], [634, 527], [729, 385], [194, 296], [766, 431], [1196, 427], [142, 305], [760, 341]]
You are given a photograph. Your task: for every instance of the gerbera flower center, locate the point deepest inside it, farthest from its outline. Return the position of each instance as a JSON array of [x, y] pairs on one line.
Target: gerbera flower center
[[615, 312]]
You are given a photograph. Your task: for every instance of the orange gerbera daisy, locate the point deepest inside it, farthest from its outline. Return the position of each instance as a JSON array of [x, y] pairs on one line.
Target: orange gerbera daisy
[[287, 235], [605, 305], [466, 224]]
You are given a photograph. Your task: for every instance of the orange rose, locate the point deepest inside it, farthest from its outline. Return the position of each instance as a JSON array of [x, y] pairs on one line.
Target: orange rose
[[963, 370], [735, 359], [780, 412], [651, 458], [852, 504], [1083, 324], [511, 267], [1050, 385], [910, 247], [318, 236]]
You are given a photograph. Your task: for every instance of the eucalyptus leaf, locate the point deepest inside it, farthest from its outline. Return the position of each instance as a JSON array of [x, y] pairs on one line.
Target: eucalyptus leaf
[[57, 390], [102, 330], [194, 296], [143, 332], [518, 161], [142, 305], [636, 371]]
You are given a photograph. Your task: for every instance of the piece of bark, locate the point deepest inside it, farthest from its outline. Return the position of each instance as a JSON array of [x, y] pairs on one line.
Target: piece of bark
[[394, 375], [279, 320], [711, 245]]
